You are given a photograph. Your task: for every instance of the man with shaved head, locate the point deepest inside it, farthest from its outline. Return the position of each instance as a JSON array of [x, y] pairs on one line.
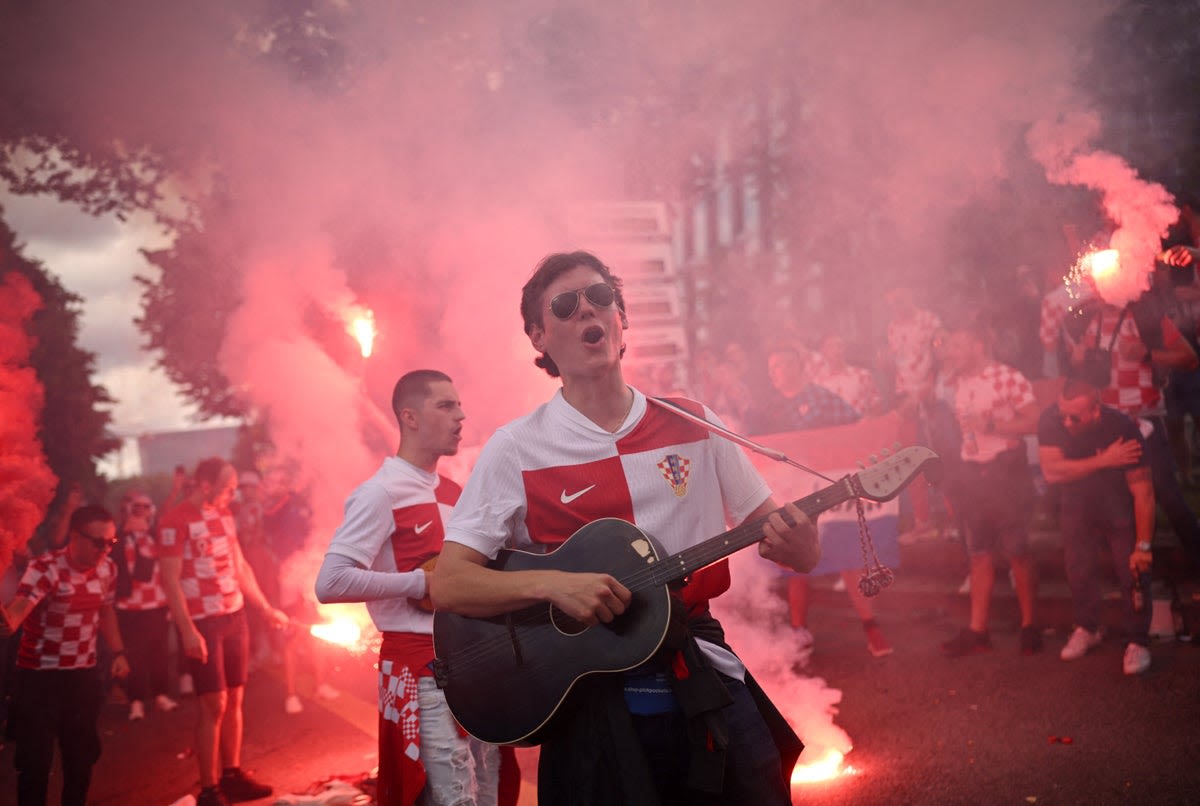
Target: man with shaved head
[[381, 554]]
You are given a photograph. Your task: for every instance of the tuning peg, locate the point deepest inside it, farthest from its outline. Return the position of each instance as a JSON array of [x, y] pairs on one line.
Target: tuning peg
[[885, 453], [896, 446], [860, 464], [873, 459]]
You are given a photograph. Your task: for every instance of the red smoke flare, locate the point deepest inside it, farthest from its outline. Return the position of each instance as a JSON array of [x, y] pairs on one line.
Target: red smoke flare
[[26, 481]]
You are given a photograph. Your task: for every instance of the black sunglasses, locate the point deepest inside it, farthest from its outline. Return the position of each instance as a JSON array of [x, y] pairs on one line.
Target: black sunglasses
[[564, 305], [101, 543]]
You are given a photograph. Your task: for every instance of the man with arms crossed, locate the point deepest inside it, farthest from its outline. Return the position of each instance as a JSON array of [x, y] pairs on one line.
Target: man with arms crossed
[[688, 725]]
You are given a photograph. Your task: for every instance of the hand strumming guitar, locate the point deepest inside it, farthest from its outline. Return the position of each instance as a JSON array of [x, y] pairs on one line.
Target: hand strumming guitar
[[588, 598]]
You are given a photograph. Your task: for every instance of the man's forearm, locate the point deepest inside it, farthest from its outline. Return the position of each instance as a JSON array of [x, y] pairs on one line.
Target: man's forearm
[[341, 579], [1063, 470]]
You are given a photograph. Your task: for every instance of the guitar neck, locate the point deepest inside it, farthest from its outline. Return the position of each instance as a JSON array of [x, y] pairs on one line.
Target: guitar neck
[[690, 560]]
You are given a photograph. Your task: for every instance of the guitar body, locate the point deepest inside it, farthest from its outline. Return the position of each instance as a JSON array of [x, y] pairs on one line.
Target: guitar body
[[505, 676]]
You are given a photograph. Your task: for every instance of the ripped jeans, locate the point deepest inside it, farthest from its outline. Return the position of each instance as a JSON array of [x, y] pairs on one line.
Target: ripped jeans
[[459, 770]]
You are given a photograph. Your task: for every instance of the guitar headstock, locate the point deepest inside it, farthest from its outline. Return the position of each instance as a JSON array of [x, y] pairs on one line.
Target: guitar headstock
[[884, 480]]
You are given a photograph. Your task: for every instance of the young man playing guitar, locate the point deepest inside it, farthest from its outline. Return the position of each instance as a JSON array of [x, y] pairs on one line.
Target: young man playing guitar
[[689, 725]]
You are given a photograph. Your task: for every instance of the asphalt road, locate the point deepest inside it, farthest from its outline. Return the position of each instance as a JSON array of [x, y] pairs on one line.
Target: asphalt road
[[925, 729]]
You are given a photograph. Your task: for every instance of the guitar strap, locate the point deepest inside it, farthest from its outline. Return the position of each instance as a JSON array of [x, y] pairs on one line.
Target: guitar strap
[[735, 437], [876, 576]]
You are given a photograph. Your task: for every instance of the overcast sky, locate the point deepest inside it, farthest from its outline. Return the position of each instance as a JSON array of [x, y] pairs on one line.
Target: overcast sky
[[97, 259]]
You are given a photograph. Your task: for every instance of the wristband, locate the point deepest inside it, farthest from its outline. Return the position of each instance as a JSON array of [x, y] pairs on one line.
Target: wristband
[[1142, 545]]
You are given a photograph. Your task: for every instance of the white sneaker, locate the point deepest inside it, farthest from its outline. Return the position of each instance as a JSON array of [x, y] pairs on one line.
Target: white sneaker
[[965, 588], [327, 692], [165, 704], [292, 704], [185, 684], [1137, 659], [1079, 643], [137, 710]]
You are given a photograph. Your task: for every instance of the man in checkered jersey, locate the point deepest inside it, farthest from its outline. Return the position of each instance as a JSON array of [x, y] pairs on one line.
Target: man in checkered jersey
[[207, 580], [600, 449], [392, 528], [64, 598], [995, 408]]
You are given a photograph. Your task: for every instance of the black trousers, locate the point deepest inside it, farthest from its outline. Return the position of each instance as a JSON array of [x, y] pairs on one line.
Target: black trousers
[[49, 706], [145, 634]]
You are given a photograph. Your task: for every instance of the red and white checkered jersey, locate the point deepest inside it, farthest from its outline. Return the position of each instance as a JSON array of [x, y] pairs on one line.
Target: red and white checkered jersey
[[394, 522], [148, 594], [911, 345], [60, 631], [997, 392], [853, 385], [1131, 387], [202, 537]]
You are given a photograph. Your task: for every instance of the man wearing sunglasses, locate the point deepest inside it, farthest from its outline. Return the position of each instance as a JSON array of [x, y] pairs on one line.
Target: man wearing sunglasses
[[64, 599], [600, 449], [1096, 455]]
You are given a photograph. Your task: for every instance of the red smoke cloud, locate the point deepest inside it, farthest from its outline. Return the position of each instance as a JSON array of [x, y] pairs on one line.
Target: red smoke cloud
[[26, 481], [1141, 211]]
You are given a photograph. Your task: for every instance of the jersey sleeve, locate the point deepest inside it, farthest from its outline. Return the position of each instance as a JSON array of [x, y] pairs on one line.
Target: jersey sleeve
[[742, 488], [367, 522], [493, 504], [172, 534], [36, 583]]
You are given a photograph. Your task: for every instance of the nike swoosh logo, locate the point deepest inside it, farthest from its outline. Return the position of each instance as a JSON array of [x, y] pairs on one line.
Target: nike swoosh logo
[[422, 527], [566, 499]]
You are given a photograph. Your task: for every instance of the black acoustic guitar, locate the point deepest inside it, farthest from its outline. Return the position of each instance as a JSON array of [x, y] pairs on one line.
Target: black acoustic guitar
[[505, 676]]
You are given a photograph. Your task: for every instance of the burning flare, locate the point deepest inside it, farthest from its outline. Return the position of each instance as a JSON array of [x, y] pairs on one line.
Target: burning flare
[[1103, 265], [826, 768], [347, 626], [361, 325], [343, 632]]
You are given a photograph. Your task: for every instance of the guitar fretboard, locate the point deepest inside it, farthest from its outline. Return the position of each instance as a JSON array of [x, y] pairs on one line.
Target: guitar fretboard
[[685, 562]]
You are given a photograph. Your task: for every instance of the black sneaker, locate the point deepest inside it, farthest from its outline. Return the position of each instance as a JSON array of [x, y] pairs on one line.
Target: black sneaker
[[212, 796], [967, 642], [1031, 640], [237, 786]]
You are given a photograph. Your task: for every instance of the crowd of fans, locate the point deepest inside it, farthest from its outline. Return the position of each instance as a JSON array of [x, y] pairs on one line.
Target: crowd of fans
[[1050, 389]]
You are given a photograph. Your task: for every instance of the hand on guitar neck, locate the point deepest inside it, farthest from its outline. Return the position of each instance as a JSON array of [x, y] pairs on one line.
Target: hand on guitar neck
[[792, 545]]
